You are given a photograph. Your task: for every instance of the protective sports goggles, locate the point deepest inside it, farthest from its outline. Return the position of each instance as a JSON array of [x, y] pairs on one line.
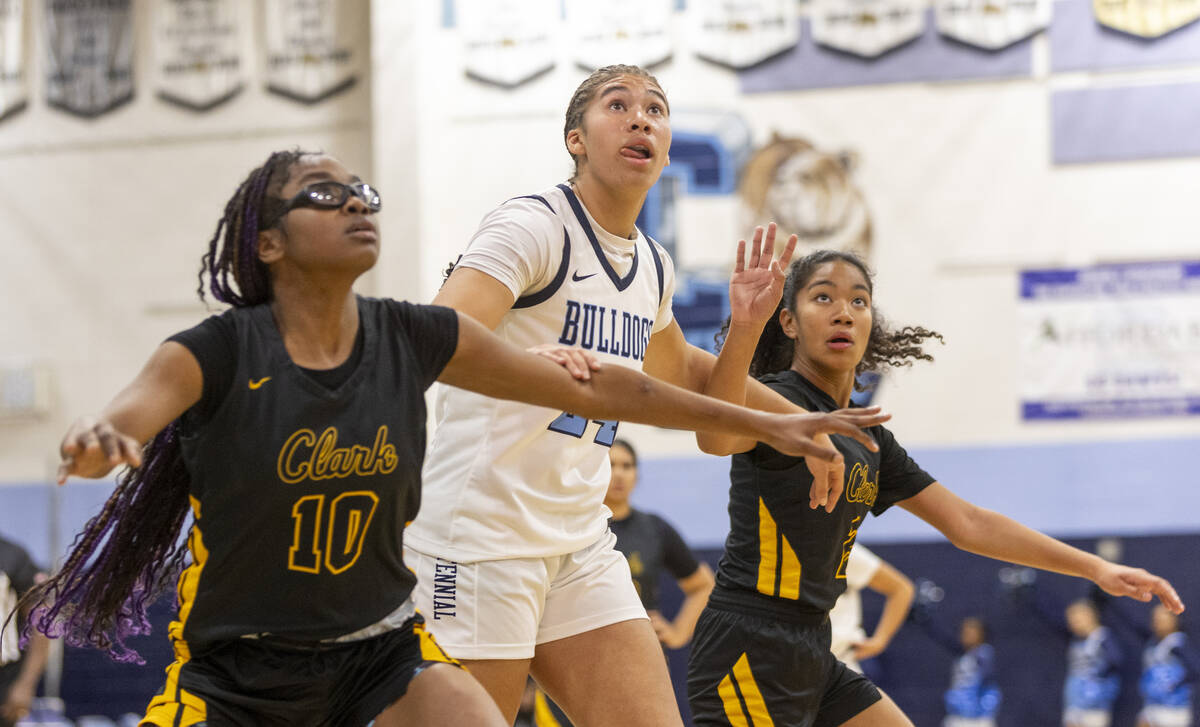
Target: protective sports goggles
[[331, 195]]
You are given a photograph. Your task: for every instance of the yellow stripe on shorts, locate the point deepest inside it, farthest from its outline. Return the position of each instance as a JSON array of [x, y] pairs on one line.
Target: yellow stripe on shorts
[[431, 650], [174, 707], [754, 713]]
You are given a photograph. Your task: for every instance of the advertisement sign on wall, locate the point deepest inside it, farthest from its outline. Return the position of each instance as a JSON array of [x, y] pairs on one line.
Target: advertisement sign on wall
[[1110, 341]]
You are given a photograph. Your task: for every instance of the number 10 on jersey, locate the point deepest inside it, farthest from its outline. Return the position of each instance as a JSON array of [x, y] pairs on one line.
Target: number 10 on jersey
[[575, 426], [334, 541]]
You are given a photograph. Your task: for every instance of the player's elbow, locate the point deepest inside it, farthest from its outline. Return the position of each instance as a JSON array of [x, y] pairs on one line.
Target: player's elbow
[[904, 589], [712, 444], [969, 529]]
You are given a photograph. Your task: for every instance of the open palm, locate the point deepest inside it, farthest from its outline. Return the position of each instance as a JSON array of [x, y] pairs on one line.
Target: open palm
[[757, 284]]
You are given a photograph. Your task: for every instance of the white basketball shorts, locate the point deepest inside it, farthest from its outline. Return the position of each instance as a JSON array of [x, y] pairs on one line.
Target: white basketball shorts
[[502, 609]]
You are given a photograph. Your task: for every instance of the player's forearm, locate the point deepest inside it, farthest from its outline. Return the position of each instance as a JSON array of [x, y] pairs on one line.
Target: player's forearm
[[895, 610], [689, 613], [616, 392], [997, 536], [488, 365], [37, 653], [727, 380], [696, 589]]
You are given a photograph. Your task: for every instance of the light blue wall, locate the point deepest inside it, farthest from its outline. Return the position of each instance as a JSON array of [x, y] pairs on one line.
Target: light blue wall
[[25, 514], [1138, 487]]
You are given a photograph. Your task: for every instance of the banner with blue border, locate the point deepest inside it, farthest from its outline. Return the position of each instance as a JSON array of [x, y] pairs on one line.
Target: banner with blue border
[[1110, 341]]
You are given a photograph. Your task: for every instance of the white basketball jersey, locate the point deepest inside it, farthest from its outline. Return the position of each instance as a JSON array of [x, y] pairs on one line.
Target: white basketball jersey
[[509, 480]]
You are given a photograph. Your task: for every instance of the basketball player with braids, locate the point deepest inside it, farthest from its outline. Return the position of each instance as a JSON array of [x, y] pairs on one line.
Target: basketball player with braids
[[761, 650], [516, 565], [292, 428]]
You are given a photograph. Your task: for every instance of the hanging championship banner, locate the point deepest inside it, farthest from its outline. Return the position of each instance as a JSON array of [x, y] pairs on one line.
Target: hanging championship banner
[[314, 47], [1110, 341], [991, 24], [743, 33], [867, 28], [14, 91], [634, 32], [197, 52], [507, 42], [1147, 18], [89, 55]]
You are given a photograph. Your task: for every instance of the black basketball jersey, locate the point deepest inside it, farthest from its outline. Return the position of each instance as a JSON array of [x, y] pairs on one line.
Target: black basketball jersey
[[783, 555], [651, 545], [301, 493]]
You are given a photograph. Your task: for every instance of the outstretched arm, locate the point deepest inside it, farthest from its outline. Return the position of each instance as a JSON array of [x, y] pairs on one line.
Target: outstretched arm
[[982, 531], [170, 382], [486, 364]]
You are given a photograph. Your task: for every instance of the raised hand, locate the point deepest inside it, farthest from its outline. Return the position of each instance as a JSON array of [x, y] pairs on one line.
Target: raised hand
[[92, 449], [757, 284], [578, 362], [1121, 580]]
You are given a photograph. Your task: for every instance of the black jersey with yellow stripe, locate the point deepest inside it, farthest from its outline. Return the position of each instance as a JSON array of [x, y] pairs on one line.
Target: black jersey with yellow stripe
[[780, 553], [300, 493]]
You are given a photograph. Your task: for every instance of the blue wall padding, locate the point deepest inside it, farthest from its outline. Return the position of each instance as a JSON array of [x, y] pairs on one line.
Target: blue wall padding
[[1077, 489]]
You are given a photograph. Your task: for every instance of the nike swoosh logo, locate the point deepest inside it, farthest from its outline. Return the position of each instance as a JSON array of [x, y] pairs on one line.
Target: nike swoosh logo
[[577, 277], [255, 384]]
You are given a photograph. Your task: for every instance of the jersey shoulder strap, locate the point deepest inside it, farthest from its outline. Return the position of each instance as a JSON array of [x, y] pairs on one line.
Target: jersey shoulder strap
[[541, 296]]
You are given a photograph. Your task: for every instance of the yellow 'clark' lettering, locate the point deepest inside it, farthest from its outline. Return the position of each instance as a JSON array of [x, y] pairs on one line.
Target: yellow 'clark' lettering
[[307, 456], [861, 489]]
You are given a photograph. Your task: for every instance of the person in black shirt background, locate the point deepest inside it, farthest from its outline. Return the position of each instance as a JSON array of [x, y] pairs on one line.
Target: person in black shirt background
[[761, 648], [292, 428], [20, 669], [651, 546]]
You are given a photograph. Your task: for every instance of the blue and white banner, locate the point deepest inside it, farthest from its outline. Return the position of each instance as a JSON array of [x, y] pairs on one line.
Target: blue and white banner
[[1110, 341]]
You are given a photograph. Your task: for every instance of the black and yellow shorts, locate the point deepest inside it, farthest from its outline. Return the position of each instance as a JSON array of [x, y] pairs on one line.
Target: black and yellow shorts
[[268, 682], [752, 670]]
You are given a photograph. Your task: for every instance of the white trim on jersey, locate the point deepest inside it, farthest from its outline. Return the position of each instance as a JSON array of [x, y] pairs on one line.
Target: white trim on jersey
[[509, 480]]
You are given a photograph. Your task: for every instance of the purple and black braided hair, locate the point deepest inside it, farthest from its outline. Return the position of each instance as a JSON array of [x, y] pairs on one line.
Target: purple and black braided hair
[[886, 347], [127, 556]]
